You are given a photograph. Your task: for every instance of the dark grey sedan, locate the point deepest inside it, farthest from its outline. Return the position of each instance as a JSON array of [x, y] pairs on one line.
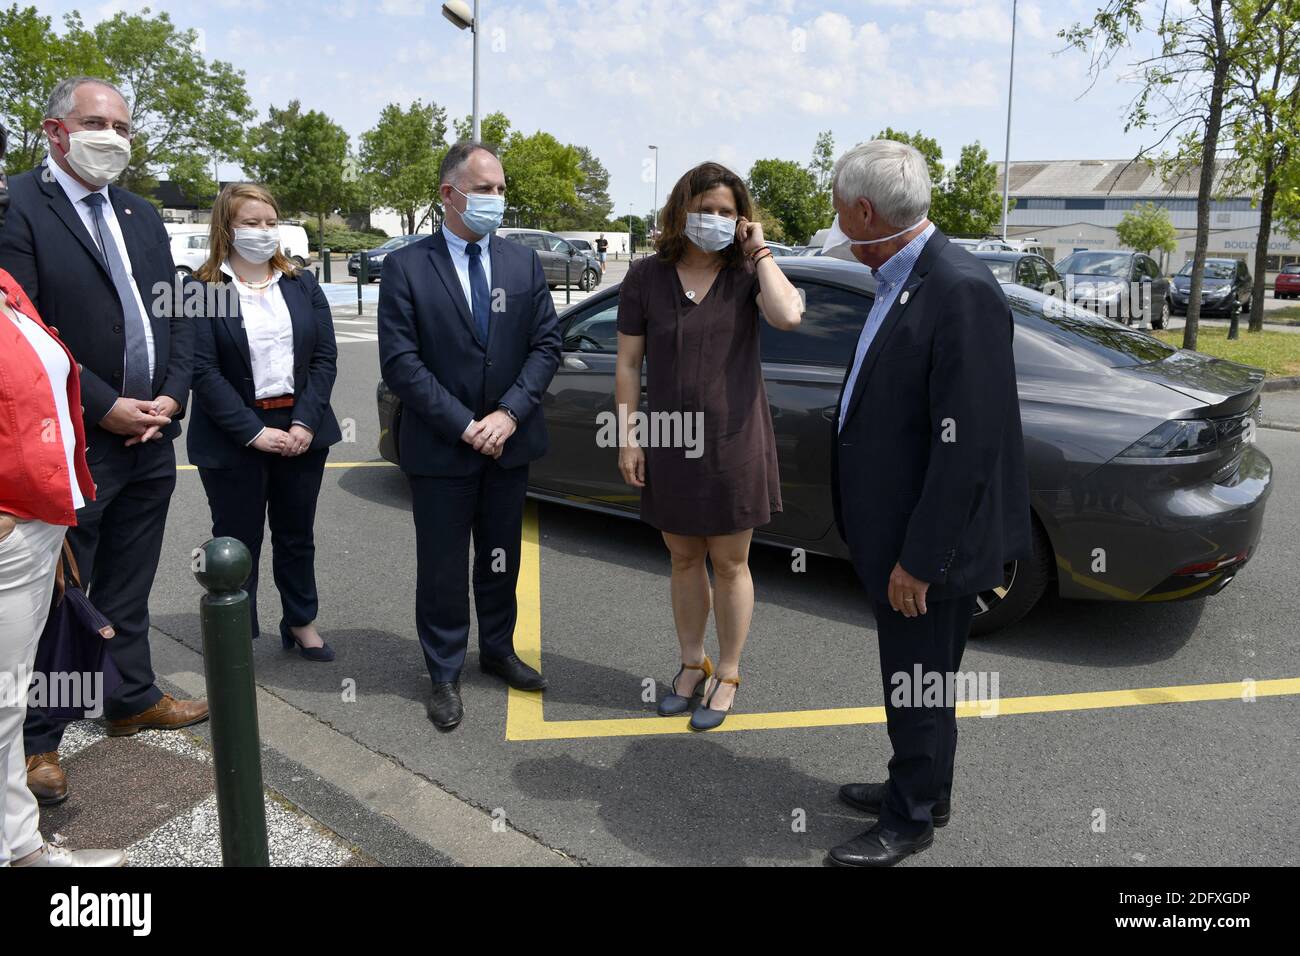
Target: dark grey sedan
[[1146, 483]]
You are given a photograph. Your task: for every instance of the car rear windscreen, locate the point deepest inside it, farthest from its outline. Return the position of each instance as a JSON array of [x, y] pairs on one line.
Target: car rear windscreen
[[1095, 264], [1044, 325]]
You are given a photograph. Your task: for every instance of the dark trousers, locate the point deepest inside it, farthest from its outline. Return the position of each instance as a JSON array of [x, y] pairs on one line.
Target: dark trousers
[[924, 737], [488, 506], [282, 492], [117, 542]]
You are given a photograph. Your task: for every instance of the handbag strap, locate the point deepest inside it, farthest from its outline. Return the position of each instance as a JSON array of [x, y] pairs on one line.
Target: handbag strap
[[67, 569]]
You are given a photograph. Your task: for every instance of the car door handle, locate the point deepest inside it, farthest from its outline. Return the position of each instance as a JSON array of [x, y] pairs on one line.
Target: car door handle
[[575, 363]]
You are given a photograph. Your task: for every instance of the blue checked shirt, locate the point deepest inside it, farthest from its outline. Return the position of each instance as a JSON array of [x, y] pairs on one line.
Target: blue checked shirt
[[890, 279]]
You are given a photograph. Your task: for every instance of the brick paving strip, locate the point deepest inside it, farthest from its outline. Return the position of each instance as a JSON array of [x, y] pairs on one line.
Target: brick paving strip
[[153, 795]]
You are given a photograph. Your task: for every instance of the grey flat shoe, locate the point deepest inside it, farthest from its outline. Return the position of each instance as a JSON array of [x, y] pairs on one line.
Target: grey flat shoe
[[673, 703], [705, 717]]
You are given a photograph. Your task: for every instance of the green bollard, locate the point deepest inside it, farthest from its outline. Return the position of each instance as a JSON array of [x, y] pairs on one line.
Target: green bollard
[[325, 265], [363, 277], [222, 566]]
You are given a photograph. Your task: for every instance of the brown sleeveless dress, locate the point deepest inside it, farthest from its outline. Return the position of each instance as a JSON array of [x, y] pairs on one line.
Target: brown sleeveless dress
[[704, 357]]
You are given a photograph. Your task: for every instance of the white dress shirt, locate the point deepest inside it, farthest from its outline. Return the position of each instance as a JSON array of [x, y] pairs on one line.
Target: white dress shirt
[[57, 369], [456, 246], [77, 194], [460, 259], [269, 328]]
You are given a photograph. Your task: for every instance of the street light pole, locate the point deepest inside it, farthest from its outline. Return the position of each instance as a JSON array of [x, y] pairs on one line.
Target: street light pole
[[474, 28], [462, 17], [654, 208], [1006, 162]]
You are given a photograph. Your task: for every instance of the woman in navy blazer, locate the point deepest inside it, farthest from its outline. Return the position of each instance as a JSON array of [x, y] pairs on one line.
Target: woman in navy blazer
[[261, 423]]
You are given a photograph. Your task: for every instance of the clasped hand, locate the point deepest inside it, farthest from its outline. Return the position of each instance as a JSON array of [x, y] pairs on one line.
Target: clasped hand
[[490, 435], [289, 443], [140, 420]]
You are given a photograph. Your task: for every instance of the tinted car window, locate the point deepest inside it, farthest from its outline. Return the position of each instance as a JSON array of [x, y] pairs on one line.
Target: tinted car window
[[595, 331], [1052, 330], [1001, 269], [828, 334], [530, 239], [1096, 264], [1213, 269]]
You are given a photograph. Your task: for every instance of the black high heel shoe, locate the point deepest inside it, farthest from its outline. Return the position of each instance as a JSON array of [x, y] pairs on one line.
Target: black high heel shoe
[[323, 654], [675, 704]]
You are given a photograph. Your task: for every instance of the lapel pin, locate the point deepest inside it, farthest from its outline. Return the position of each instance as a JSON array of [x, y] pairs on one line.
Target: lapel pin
[[906, 295], [127, 211]]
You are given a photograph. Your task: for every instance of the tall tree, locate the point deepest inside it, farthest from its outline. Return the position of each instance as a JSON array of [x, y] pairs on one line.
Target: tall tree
[[821, 166], [181, 104], [788, 193], [1266, 131], [303, 159], [593, 208], [494, 129], [1183, 87], [542, 175], [33, 58], [972, 204], [399, 160]]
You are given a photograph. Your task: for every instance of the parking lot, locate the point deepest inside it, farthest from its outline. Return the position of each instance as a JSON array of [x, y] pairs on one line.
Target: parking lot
[[1122, 736]]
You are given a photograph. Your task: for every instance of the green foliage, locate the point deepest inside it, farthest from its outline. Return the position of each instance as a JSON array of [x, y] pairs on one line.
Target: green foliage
[[400, 158], [541, 177], [342, 240], [965, 200], [1146, 227], [788, 195], [593, 208], [494, 129], [185, 110]]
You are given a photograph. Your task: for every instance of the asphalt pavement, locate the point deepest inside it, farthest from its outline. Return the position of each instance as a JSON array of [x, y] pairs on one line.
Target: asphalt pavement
[[587, 774]]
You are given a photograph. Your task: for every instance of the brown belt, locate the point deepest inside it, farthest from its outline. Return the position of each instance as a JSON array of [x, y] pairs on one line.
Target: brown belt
[[283, 401]]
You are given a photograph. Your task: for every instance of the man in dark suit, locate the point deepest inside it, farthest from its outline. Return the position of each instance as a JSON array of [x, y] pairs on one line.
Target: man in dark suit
[[469, 341], [95, 260], [929, 482]]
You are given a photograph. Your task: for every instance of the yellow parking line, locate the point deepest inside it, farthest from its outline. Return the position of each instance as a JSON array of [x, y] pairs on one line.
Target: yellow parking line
[[525, 719]]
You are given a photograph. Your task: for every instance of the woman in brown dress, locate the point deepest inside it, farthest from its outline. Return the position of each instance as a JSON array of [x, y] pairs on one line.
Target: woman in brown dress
[[706, 460]]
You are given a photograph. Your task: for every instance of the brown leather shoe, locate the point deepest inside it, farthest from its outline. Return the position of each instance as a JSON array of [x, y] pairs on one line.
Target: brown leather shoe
[[46, 780], [168, 714]]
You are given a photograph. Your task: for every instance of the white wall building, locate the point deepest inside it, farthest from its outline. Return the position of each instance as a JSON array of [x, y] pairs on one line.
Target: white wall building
[[1069, 205]]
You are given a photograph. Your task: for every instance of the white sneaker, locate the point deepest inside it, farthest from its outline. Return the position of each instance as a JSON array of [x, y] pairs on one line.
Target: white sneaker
[[54, 853]]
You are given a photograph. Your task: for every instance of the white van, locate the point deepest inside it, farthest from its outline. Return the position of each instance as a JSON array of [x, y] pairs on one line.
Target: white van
[[190, 245]]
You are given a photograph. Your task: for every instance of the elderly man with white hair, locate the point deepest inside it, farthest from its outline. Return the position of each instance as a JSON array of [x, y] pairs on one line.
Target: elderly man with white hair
[[929, 480]]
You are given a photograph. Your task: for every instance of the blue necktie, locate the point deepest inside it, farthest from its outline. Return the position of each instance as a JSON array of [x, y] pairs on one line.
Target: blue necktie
[[136, 381], [478, 288]]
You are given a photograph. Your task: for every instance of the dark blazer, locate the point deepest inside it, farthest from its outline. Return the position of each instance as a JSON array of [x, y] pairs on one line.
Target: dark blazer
[[929, 467], [223, 420], [45, 246], [433, 360]]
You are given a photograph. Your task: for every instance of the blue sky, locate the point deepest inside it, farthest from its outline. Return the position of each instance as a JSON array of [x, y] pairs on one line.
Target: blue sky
[[729, 80]]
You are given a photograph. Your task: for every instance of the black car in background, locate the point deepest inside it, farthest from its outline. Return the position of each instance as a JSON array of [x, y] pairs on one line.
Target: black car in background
[[562, 261], [1118, 285], [1226, 287], [1145, 482], [375, 265], [1021, 268]]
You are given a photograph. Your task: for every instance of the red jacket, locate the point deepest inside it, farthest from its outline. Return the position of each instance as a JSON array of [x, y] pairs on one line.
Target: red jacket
[[34, 479]]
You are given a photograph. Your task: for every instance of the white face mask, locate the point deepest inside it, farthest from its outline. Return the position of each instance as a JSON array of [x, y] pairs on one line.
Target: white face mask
[[98, 156], [711, 233], [837, 237], [256, 245]]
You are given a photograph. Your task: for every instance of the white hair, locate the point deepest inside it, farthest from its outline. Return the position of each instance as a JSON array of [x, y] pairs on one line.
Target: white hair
[[892, 176]]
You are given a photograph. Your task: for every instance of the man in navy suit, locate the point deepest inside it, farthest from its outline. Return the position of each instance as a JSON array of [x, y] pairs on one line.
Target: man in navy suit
[[929, 482], [93, 257], [469, 341]]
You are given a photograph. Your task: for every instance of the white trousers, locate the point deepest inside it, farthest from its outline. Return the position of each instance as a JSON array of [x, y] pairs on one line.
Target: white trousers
[[28, 558]]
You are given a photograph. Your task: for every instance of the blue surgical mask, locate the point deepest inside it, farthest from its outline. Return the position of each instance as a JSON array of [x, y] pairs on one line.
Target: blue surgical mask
[[711, 233], [482, 212]]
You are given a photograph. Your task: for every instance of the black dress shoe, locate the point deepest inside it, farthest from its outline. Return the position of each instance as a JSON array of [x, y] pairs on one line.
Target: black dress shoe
[[868, 797], [513, 671], [444, 707], [879, 847]]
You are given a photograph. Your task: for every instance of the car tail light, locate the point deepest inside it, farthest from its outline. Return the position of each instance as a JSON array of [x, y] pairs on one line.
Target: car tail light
[[1177, 438], [1208, 567]]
